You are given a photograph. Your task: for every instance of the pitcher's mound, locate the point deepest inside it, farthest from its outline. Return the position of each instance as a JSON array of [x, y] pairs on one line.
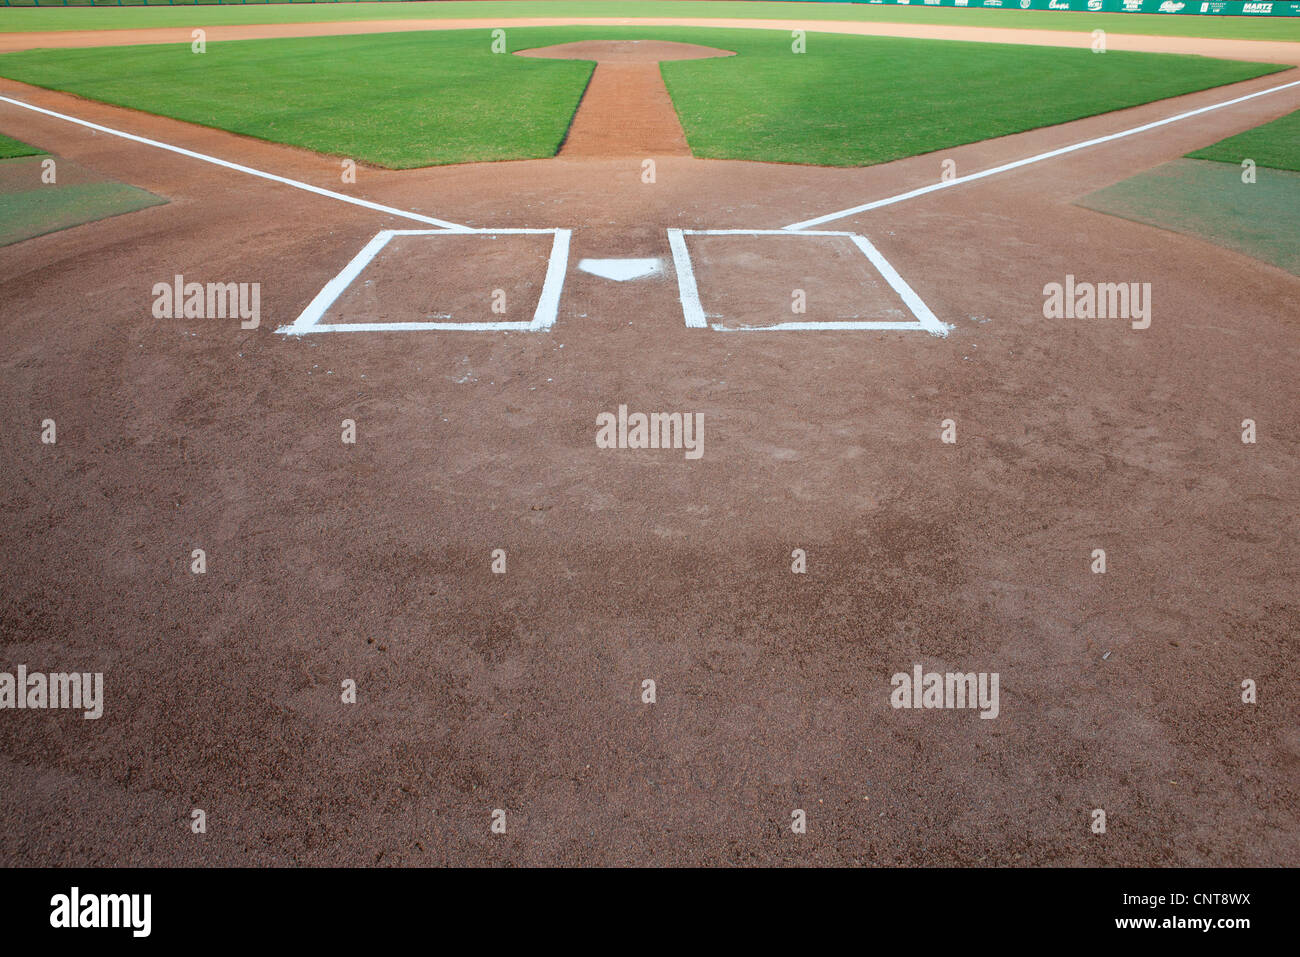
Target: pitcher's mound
[[625, 51]]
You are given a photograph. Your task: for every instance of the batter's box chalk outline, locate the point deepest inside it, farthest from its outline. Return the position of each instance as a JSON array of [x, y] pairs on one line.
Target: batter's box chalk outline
[[548, 303], [696, 319]]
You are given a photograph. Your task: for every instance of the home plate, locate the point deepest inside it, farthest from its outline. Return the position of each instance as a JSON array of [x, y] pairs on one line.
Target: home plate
[[620, 270]]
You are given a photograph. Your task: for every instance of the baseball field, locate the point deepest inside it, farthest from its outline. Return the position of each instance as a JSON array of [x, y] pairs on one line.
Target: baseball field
[[649, 433]]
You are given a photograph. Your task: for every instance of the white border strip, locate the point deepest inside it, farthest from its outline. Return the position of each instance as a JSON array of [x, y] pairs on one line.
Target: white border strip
[[296, 184], [695, 317], [334, 288], [919, 309], [548, 303], [687, 291], [853, 211]]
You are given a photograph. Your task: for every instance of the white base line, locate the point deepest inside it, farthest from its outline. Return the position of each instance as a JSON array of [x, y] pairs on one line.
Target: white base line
[[687, 291], [838, 325], [695, 317], [829, 217], [296, 184], [548, 303], [334, 288], [919, 309]]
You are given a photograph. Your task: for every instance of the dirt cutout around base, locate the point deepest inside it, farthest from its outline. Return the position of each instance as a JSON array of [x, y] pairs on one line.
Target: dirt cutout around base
[[626, 109]]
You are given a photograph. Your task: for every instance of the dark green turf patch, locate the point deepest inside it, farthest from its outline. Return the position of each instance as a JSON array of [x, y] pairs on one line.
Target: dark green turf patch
[[1210, 201], [1275, 145], [78, 196], [419, 99], [9, 148]]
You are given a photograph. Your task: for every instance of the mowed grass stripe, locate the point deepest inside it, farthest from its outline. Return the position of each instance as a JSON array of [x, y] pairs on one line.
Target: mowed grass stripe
[[20, 20], [416, 99]]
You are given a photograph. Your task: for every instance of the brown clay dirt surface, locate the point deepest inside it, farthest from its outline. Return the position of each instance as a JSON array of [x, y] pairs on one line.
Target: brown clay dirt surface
[[522, 691], [626, 109]]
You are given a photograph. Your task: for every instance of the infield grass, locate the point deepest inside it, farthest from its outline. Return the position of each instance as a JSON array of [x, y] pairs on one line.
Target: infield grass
[[855, 101], [415, 99], [1275, 145], [124, 18], [392, 99]]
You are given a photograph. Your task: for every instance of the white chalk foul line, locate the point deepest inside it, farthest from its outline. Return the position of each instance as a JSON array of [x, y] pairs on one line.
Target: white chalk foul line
[[695, 317], [933, 187], [548, 303], [216, 161]]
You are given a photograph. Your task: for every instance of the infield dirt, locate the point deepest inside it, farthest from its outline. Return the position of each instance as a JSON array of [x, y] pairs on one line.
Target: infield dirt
[[523, 691]]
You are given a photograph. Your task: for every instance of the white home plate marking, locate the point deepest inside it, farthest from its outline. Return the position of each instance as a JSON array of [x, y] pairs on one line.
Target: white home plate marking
[[621, 270]]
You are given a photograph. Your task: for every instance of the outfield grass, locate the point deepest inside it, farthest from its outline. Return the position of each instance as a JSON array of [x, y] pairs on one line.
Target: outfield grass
[[9, 148], [419, 99], [106, 18], [1275, 145]]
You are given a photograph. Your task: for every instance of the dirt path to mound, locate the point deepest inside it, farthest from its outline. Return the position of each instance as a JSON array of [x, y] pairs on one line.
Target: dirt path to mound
[[1256, 50], [626, 109]]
